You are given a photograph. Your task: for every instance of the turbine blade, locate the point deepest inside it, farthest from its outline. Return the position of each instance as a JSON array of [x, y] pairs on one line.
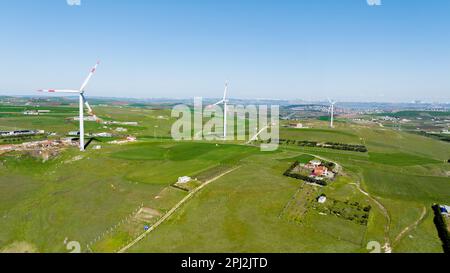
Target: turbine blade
[[225, 92], [219, 102], [85, 83], [90, 111], [87, 105]]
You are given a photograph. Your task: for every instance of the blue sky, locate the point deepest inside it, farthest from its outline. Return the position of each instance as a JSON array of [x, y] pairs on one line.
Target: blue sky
[[300, 49]]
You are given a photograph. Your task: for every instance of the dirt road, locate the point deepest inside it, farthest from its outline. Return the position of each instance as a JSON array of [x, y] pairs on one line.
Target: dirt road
[[410, 227]]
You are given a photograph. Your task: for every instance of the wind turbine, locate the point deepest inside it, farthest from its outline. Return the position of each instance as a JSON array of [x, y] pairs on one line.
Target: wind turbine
[[224, 101], [82, 101], [332, 103]]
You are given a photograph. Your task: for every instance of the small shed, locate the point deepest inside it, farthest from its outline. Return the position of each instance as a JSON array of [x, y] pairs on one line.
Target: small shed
[[184, 179], [322, 199]]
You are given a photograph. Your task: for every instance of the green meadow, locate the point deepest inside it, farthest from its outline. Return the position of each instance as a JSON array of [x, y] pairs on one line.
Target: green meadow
[[81, 198]]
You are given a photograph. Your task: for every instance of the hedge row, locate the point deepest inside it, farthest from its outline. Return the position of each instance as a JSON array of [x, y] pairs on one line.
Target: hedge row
[[441, 227], [329, 145], [346, 147]]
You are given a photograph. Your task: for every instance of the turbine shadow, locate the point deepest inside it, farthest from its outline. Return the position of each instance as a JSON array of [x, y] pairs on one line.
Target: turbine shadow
[[89, 142]]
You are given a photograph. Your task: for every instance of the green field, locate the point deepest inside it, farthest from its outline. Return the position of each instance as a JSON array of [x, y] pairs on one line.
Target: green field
[[42, 204]]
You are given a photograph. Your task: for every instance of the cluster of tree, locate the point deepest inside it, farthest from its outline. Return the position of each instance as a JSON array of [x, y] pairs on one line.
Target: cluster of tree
[[330, 145], [435, 136], [306, 143], [289, 173], [350, 211], [17, 139], [441, 227], [329, 165]]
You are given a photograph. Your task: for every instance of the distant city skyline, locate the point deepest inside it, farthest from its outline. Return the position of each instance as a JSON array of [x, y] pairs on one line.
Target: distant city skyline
[[309, 49]]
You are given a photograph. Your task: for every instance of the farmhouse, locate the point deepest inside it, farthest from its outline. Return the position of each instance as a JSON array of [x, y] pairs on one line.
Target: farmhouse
[[104, 134], [320, 171], [31, 113], [296, 125]]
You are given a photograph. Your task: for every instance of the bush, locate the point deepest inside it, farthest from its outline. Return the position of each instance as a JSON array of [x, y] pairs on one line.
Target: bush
[[441, 227]]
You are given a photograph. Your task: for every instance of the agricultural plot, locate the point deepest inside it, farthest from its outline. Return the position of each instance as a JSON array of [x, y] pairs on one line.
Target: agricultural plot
[[43, 203], [352, 211], [241, 212], [300, 203], [400, 159], [320, 135], [126, 188]]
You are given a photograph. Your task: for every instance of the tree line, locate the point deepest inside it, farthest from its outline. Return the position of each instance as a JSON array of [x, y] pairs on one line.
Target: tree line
[[329, 145]]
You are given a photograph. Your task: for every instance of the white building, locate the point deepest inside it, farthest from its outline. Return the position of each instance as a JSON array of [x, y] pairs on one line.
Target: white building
[[121, 129], [184, 179], [322, 199], [87, 118], [104, 134], [445, 210], [316, 162], [31, 113]]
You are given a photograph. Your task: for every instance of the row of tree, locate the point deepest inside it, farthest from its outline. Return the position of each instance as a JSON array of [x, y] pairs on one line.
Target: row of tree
[[441, 228], [18, 139], [345, 147], [330, 145]]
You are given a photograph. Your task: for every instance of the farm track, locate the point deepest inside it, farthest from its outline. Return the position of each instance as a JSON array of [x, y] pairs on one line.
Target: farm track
[[174, 209], [410, 227], [387, 245]]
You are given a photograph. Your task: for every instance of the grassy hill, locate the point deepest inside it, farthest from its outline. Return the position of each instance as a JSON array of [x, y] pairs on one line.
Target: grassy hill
[[42, 204]]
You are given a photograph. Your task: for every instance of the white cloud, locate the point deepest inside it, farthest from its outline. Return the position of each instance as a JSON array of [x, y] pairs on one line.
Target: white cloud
[[74, 2], [374, 2]]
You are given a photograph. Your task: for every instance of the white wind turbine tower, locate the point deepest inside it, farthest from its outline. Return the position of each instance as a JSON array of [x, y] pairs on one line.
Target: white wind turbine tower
[[224, 101], [82, 102], [332, 103]]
